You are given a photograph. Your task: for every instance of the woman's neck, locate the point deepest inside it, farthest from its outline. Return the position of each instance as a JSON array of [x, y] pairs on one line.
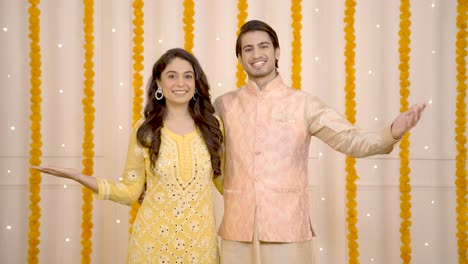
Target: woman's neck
[[177, 113]]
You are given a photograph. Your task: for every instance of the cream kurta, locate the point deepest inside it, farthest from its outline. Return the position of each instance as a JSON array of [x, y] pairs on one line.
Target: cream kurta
[[175, 223], [267, 135]]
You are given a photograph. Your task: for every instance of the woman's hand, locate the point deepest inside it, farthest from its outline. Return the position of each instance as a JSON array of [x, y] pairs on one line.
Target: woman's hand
[[68, 173]]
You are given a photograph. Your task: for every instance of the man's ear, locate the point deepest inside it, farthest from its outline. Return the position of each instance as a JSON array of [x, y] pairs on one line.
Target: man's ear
[[277, 53]]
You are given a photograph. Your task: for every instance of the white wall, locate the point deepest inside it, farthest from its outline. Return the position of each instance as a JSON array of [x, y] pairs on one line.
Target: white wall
[[433, 72]]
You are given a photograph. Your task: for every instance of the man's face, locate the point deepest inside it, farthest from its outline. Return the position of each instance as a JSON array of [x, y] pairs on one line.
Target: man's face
[[258, 56]]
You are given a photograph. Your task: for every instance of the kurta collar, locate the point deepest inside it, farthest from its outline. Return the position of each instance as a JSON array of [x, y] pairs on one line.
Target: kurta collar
[[274, 85]]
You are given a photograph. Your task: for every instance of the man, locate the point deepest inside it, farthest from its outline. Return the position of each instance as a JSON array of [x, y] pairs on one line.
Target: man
[[268, 127]]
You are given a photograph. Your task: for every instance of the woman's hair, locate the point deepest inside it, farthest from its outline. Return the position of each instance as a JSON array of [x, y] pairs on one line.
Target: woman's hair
[[256, 25], [201, 110]]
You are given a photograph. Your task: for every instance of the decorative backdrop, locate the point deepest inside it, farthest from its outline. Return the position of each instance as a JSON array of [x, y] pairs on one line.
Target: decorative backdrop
[[73, 74]]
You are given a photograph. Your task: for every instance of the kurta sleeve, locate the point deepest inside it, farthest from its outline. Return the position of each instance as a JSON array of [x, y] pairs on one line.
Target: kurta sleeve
[[219, 181], [130, 187], [335, 130]]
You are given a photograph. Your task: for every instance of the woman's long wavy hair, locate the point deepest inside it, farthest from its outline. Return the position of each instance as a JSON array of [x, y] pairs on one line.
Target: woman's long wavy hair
[[201, 110]]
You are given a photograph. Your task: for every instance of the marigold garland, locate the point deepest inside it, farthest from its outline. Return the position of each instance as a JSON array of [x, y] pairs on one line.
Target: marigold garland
[[36, 137], [88, 137], [189, 14], [137, 82], [296, 44], [350, 112], [460, 130], [405, 187], [241, 19]]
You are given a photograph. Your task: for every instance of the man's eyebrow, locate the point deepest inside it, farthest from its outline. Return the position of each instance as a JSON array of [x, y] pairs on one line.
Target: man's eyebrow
[[259, 44], [264, 42]]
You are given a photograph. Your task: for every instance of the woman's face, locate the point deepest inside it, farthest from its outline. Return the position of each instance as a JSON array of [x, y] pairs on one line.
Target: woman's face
[[177, 82]]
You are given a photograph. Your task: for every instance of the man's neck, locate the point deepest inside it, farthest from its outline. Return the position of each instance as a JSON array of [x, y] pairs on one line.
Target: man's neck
[[263, 82]]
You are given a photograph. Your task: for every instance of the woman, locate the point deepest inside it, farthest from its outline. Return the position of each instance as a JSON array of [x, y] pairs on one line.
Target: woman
[[176, 152]]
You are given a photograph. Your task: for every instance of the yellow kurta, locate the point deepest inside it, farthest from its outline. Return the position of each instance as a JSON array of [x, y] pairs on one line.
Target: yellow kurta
[[175, 223]]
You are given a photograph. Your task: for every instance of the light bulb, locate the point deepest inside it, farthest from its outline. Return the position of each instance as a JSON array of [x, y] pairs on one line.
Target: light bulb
[[8, 227], [117, 221], [121, 83], [5, 29], [67, 239], [114, 30], [220, 84], [12, 128], [60, 45], [160, 41], [65, 186]]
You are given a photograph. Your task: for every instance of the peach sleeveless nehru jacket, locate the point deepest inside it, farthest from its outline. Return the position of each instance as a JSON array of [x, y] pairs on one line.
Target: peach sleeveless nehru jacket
[[267, 138]]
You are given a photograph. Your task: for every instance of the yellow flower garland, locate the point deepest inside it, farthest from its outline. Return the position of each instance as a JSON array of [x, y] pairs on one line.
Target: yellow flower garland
[[405, 187], [460, 130], [137, 82], [296, 16], [350, 112], [189, 14], [241, 19], [36, 137], [88, 138]]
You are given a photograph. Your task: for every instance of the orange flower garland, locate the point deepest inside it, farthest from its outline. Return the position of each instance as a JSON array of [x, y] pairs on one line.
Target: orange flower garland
[[296, 44], [350, 112], [241, 19], [88, 138], [460, 130], [137, 82], [36, 137], [405, 187], [189, 14]]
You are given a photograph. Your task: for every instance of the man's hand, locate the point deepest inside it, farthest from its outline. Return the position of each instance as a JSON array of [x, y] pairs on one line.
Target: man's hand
[[407, 120]]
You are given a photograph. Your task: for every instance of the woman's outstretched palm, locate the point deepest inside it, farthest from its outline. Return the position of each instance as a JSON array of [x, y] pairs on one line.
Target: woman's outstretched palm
[[68, 173]]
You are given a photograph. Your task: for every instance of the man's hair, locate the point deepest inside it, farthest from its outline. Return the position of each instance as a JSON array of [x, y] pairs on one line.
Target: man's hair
[[256, 25]]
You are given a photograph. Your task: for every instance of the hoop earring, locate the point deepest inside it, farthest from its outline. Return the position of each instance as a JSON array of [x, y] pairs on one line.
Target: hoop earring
[[195, 93], [160, 92]]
